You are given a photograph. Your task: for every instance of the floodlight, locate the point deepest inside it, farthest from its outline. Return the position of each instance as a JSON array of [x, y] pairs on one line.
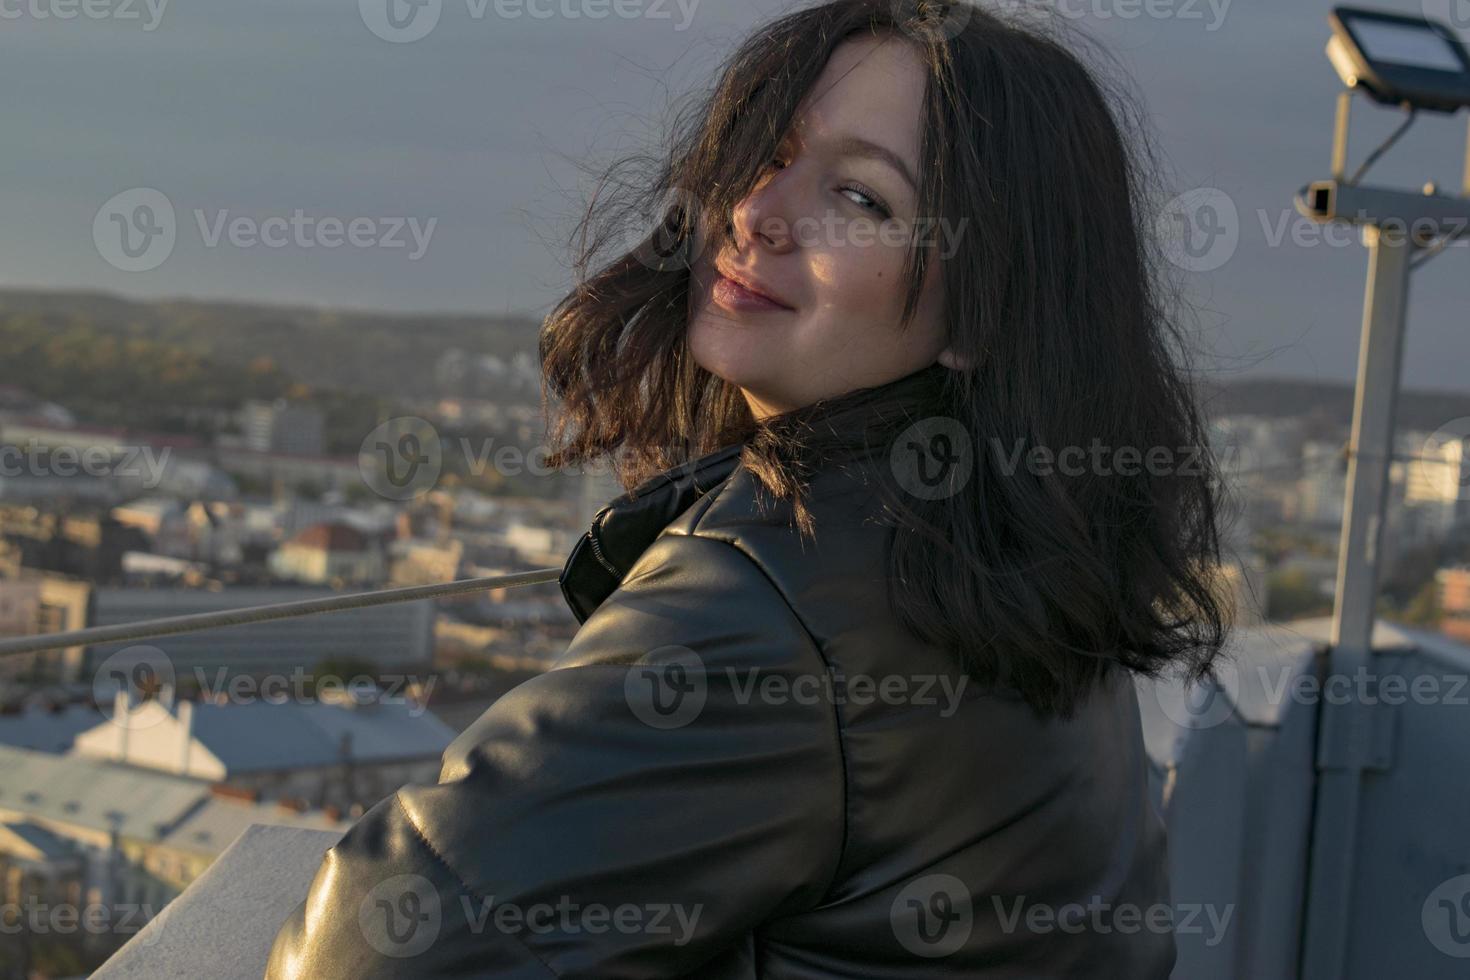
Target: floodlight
[[1399, 59]]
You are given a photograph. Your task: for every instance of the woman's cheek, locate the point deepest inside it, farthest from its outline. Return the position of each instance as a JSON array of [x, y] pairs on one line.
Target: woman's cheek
[[877, 274]]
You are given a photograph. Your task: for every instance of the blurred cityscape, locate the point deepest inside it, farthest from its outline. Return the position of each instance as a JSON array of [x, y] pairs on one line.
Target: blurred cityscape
[[164, 459]]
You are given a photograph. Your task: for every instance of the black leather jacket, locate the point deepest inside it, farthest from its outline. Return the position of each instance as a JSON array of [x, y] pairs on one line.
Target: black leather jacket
[[743, 767]]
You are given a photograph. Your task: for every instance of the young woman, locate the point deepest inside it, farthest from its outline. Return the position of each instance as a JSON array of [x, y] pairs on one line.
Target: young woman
[[918, 488]]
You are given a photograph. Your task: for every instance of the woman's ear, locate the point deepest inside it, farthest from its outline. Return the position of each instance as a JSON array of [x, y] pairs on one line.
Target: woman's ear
[[954, 361]]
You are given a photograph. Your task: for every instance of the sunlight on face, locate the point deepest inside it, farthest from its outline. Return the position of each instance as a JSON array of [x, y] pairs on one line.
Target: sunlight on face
[[807, 301]]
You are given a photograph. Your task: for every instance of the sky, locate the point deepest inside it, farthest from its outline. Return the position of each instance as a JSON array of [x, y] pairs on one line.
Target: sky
[[321, 152]]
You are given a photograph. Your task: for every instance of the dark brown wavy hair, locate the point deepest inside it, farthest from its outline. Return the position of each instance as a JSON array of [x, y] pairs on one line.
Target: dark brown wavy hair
[[1041, 581]]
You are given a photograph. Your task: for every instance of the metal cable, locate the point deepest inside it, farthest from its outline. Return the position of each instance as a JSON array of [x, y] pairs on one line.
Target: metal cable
[[154, 628], [151, 628], [1384, 147]]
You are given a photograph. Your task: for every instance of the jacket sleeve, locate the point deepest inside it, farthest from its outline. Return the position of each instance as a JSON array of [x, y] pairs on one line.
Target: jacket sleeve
[[637, 811]]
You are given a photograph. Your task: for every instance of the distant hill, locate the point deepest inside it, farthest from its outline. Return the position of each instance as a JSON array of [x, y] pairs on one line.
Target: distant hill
[[1327, 402], [384, 354], [393, 355]]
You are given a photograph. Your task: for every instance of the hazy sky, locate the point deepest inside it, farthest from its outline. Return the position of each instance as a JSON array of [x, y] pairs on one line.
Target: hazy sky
[[266, 109]]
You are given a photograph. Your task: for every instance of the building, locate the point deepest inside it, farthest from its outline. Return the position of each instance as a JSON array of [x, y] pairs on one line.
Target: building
[[1437, 481], [37, 603], [1454, 590], [1323, 484], [326, 554], [146, 568], [154, 515], [27, 487], [197, 531], [393, 637], [18, 404], [143, 447], [344, 752], [283, 427], [191, 846], [83, 545], [46, 728], [1454, 601], [195, 479], [1251, 444], [290, 469], [420, 562], [81, 832], [78, 827], [91, 462], [537, 545]]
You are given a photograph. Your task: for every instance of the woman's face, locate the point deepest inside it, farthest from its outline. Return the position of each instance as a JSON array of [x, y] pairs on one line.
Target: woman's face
[[824, 237]]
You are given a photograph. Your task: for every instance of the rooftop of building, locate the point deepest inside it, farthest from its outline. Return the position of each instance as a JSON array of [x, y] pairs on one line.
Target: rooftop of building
[[261, 736]]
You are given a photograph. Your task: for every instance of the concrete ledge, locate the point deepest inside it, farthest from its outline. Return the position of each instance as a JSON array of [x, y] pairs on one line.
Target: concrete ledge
[[223, 924]]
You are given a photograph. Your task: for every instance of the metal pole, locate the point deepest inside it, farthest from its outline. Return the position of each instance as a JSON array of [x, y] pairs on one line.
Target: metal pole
[[1465, 184], [1345, 744], [1340, 135]]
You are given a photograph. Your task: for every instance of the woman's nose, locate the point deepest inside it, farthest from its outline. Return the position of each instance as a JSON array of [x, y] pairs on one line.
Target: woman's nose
[[764, 217]]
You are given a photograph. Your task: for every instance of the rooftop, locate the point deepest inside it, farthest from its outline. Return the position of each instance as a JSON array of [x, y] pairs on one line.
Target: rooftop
[[262, 736], [45, 729], [40, 842], [94, 794], [220, 821], [331, 537]]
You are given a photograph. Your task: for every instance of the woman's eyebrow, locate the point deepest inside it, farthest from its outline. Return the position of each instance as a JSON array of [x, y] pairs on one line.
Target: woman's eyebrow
[[857, 146]]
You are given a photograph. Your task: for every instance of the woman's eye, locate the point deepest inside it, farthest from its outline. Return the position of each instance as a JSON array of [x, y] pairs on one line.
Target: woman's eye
[[865, 200]]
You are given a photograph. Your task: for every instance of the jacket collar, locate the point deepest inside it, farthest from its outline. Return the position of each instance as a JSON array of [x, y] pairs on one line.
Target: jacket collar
[[858, 425], [624, 528], [849, 427]]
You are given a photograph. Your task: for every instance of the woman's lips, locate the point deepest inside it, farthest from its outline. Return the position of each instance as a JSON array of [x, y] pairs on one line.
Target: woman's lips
[[736, 298]]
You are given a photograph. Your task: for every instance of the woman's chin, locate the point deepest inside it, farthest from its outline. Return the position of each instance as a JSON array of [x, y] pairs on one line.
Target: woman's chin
[[727, 354]]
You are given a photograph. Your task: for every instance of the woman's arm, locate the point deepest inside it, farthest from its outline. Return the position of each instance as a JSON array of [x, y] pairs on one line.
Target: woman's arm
[[637, 811]]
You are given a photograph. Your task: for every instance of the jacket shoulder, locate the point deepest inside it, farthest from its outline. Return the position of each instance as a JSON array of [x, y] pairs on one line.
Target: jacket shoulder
[[669, 760], [835, 581]]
